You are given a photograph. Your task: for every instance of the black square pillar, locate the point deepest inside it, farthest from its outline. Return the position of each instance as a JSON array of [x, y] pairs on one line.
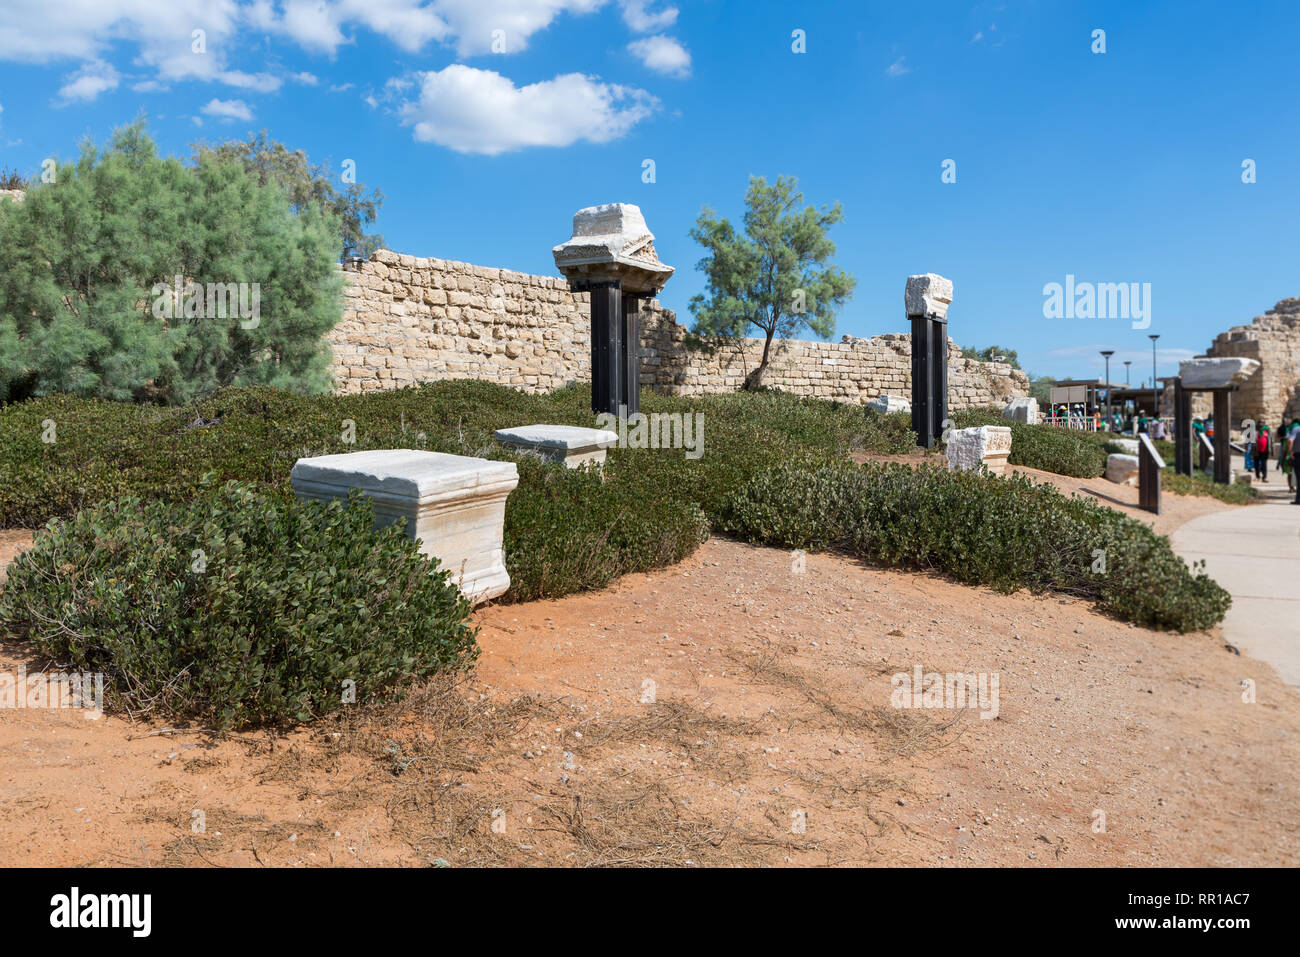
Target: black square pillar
[[1183, 436], [929, 378], [1223, 436], [630, 391], [608, 357]]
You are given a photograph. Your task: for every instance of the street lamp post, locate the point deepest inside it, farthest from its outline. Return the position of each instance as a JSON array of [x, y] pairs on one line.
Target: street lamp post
[[1127, 381], [1155, 385], [1106, 354]]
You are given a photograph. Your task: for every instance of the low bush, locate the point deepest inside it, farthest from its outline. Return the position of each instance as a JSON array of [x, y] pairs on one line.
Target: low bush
[[1006, 533], [564, 531], [1043, 447], [236, 608], [570, 530]]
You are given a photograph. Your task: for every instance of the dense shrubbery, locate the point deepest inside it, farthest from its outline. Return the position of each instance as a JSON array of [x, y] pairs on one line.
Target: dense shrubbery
[[236, 608], [1062, 451], [1006, 533], [564, 531]]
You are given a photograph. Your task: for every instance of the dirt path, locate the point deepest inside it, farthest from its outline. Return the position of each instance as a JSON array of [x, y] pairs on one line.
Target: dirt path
[[727, 710]]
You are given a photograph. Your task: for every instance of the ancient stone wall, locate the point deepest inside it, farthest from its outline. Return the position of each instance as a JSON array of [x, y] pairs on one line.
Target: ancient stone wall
[[412, 320], [1274, 339]]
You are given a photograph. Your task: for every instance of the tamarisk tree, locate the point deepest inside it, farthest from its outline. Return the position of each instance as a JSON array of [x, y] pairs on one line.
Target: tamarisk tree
[[775, 276]]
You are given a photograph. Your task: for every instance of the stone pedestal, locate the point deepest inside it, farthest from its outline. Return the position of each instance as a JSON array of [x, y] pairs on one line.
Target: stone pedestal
[[569, 444], [1122, 469], [454, 505], [987, 445], [1023, 409]]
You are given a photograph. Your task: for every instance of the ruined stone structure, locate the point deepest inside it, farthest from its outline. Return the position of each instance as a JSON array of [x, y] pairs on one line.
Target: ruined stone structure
[[1272, 339], [410, 320]]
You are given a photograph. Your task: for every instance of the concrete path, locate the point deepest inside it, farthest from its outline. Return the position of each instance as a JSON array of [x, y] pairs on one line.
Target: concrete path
[[1254, 552]]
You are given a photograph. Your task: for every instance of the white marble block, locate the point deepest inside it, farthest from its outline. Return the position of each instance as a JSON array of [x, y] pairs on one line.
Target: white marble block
[[1023, 409], [890, 403], [986, 445], [928, 295], [1126, 446], [454, 505], [570, 444], [1216, 373], [1122, 469]]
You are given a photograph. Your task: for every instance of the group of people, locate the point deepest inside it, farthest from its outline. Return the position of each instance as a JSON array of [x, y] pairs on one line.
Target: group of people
[[1285, 444]]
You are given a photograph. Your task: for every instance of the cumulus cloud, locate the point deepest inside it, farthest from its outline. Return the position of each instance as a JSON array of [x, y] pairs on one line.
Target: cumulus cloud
[[639, 18], [662, 54], [228, 109], [86, 84], [480, 111]]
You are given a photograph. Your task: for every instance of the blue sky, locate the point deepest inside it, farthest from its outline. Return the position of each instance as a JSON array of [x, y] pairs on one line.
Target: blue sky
[[1122, 166]]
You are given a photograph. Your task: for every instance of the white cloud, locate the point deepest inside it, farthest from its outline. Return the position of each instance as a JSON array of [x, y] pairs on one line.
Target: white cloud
[[150, 86], [473, 21], [662, 54], [86, 84], [898, 67], [228, 109], [257, 82], [480, 111], [306, 79], [642, 20]]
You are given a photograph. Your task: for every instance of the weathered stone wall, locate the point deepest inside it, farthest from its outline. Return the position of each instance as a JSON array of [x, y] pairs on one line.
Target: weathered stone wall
[[412, 320], [1273, 391]]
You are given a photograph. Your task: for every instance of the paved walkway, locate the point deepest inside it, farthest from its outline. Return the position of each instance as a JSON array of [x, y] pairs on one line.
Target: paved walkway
[[1254, 552]]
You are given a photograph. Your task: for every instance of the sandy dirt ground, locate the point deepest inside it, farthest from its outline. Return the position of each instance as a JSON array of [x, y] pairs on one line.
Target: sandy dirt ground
[[730, 710]]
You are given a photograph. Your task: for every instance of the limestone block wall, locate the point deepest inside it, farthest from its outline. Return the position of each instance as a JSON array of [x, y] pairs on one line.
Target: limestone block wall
[[410, 320], [1273, 391]]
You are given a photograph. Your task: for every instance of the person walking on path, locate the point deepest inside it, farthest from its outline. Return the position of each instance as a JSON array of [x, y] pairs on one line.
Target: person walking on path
[[1261, 450], [1293, 436], [1284, 457]]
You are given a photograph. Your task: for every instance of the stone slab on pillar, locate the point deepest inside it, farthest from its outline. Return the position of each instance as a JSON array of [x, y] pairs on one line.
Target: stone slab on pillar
[[926, 300], [611, 254], [454, 505]]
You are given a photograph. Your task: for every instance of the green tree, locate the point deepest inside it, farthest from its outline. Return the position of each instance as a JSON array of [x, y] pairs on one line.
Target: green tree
[[774, 277], [306, 184], [84, 259], [993, 354]]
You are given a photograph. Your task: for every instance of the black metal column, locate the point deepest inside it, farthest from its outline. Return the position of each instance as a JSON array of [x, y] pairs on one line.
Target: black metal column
[[608, 360], [1183, 436], [939, 385], [922, 382], [929, 378], [1222, 436], [630, 392]]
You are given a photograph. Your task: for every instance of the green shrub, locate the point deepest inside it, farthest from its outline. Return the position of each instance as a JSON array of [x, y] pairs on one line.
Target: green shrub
[[236, 608], [1006, 533], [1201, 484], [570, 530], [1044, 447]]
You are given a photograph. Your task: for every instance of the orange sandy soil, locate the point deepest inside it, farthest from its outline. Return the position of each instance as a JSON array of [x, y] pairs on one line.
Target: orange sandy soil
[[769, 740]]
